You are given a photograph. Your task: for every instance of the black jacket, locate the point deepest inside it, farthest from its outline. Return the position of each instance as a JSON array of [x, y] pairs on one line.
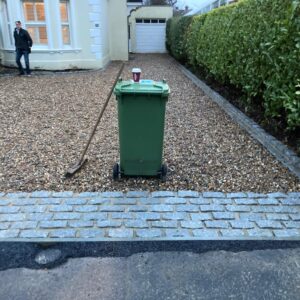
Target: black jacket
[[23, 39]]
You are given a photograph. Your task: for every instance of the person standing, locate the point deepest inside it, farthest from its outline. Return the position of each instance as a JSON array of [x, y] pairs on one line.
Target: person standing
[[23, 43]]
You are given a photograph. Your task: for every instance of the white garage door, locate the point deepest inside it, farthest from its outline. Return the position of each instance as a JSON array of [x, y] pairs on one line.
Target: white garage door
[[150, 36]]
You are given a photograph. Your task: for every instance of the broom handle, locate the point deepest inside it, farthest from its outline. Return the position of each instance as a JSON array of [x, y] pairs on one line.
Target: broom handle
[[101, 114]]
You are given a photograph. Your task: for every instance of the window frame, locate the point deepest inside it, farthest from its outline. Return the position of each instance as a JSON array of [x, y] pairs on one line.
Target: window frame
[[7, 32]]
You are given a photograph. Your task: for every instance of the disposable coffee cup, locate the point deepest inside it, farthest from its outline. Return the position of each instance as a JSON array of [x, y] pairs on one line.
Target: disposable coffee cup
[[136, 74]]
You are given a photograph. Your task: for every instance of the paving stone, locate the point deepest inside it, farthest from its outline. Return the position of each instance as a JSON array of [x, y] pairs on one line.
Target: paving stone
[[53, 224], [252, 216], [163, 194], [269, 224], [212, 207], [238, 208], [164, 224], [138, 208], [260, 233], [161, 208], [10, 233], [75, 201], [109, 223], [279, 217], [268, 201], [263, 209], [175, 216], [80, 224], [40, 194], [9, 209], [287, 233], [216, 224], [63, 233], [88, 195], [67, 194], [137, 194], [222, 201], [48, 256], [112, 194], [292, 224], [4, 202], [213, 195], [124, 201], [61, 208], [111, 208], [120, 233], [187, 208], [206, 233], [91, 233], [34, 209], [122, 215], [242, 224], [152, 201], [295, 217], [147, 216], [136, 224], [276, 195], [201, 216], [148, 233], [23, 201], [290, 201], [4, 225], [24, 225], [223, 215], [66, 216], [97, 201], [39, 216], [12, 217], [189, 194], [256, 195], [200, 201], [245, 201], [86, 208], [236, 233], [33, 234], [175, 200], [286, 209], [173, 233], [94, 216], [236, 195], [45, 201], [16, 195], [191, 224]]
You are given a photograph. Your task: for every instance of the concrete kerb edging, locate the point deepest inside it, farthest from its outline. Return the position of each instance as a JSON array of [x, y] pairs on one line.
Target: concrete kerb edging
[[281, 152]]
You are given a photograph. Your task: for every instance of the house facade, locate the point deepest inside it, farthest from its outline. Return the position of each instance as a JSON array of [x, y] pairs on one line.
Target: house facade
[[67, 34]]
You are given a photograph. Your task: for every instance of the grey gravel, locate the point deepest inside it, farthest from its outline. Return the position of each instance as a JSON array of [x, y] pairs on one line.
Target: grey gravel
[[45, 121]]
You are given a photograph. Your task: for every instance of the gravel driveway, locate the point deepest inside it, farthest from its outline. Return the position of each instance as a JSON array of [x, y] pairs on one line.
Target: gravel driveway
[[46, 119]]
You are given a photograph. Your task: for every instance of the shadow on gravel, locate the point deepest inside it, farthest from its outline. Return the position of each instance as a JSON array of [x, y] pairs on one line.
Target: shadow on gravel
[[22, 255]]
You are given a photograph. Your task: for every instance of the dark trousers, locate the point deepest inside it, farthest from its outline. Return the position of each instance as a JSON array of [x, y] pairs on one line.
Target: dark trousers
[[19, 54]]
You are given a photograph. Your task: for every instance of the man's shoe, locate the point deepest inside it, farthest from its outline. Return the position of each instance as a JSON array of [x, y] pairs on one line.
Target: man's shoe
[[21, 74], [28, 75]]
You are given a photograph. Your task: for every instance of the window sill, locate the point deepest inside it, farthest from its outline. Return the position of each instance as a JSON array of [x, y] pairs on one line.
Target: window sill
[[51, 51]]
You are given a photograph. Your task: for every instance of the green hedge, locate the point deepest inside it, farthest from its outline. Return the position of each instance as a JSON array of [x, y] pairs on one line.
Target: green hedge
[[253, 45]]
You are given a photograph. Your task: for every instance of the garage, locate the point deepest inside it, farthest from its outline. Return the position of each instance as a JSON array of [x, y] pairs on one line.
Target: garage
[[150, 35], [147, 29]]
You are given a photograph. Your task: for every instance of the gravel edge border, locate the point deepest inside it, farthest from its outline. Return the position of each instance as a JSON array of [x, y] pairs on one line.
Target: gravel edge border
[[281, 152]]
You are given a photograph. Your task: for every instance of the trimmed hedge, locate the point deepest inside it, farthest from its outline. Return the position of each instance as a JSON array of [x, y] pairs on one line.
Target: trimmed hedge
[[253, 45]]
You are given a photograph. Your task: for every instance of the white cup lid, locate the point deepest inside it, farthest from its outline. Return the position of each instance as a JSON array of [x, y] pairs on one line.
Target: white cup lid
[[136, 70]]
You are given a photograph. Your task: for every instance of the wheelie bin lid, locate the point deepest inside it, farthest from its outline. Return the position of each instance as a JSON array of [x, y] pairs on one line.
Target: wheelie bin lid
[[143, 87]]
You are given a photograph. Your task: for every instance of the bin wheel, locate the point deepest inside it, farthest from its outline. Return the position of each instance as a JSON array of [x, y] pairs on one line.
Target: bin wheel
[[116, 172], [163, 173]]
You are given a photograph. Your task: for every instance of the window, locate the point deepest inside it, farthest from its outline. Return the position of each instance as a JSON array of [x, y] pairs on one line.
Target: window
[[7, 22], [65, 25], [35, 21]]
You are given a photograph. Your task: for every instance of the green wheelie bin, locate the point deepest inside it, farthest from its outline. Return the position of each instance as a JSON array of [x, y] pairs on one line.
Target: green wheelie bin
[[141, 117]]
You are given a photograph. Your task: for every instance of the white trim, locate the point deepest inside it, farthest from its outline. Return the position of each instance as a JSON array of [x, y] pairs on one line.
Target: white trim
[[47, 8], [73, 36], [57, 50]]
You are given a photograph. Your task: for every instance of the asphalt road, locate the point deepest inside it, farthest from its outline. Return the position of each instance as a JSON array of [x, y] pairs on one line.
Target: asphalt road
[[185, 270]]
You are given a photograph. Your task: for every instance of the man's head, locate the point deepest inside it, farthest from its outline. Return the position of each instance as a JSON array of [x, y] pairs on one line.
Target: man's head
[[18, 24]]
